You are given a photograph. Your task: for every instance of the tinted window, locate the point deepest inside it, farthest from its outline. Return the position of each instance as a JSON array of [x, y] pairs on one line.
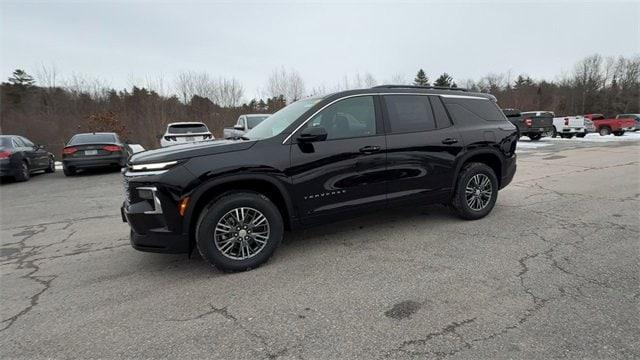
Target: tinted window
[[470, 110], [18, 142], [92, 139], [187, 128], [409, 113], [26, 141], [353, 117], [6, 142], [442, 119]]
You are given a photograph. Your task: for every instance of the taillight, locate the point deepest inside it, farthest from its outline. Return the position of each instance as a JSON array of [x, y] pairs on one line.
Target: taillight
[[528, 122], [112, 148], [69, 150], [566, 121], [5, 155]]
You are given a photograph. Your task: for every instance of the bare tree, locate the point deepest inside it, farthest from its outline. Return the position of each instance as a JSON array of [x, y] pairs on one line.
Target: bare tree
[[47, 75], [287, 83]]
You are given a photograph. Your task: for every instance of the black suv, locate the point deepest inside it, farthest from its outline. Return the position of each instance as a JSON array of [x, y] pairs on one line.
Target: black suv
[[315, 161]]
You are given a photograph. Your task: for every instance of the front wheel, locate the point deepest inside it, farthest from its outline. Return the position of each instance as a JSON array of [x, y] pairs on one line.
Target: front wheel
[[239, 231], [476, 191], [618, 133], [581, 135], [535, 137], [52, 167]]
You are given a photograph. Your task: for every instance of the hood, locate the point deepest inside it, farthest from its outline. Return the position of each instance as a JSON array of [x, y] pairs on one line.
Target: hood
[[190, 150]]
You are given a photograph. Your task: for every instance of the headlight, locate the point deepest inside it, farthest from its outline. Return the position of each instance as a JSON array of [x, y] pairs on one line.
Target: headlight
[[153, 166]]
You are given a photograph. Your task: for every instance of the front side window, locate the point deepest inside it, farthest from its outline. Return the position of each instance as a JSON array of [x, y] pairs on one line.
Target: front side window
[[253, 121], [26, 142], [348, 118], [409, 113]]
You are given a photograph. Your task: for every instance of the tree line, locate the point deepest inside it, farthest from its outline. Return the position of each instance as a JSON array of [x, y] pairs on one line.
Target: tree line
[[49, 110]]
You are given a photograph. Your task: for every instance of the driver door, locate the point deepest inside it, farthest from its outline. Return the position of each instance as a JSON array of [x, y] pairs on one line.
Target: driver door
[[346, 171]]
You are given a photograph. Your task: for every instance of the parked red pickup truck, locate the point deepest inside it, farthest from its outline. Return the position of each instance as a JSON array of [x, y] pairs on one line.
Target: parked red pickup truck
[[606, 126]]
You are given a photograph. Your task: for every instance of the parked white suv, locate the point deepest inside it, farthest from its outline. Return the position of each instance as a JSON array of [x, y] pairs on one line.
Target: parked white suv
[[185, 132], [569, 126]]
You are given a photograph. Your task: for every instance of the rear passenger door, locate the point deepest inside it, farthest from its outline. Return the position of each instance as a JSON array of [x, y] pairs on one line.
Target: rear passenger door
[[422, 145]]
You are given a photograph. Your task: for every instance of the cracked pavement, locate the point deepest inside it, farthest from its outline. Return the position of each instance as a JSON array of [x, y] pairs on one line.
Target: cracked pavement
[[552, 272]]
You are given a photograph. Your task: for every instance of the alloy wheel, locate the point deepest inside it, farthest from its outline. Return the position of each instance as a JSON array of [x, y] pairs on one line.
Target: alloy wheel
[[241, 233], [478, 192]]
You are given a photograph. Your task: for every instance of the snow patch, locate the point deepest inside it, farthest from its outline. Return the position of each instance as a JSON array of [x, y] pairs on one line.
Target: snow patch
[[596, 138]]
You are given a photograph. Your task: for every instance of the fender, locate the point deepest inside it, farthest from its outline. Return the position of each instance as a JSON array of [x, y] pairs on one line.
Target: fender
[[204, 187], [469, 154]]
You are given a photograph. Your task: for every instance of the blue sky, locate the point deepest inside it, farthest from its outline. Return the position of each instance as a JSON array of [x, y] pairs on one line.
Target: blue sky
[[123, 42]]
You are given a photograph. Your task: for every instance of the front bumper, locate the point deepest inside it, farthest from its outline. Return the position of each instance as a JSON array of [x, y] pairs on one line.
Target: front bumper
[[149, 232]]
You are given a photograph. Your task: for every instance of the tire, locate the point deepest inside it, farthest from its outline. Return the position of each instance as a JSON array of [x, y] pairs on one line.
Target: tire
[[604, 131], [52, 167], [214, 231], [581, 135], [566, 136], [461, 202], [24, 173], [68, 171], [618, 133], [554, 133], [535, 137]]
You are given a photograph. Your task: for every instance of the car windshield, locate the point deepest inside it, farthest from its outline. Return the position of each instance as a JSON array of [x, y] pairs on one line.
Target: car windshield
[[252, 121], [5, 142], [276, 123], [92, 139], [187, 128]]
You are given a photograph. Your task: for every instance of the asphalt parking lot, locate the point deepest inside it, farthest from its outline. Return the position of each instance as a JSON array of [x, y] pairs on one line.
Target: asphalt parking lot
[[552, 272]]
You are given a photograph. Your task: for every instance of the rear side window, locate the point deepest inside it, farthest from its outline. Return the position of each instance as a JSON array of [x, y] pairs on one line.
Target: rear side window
[[442, 119], [187, 128], [92, 139], [408, 113], [471, 110]]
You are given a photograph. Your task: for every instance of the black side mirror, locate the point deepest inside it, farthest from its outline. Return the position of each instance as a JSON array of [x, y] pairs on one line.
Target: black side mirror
[[312, 134], [40, 147], [159, 136]]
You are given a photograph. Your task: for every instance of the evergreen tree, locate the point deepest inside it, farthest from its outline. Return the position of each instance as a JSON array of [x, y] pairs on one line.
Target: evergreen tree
[[421, 79], [445, 80], [21, 78]]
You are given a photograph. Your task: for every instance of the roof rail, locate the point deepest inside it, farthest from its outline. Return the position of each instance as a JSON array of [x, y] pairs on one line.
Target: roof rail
[[418, 87]]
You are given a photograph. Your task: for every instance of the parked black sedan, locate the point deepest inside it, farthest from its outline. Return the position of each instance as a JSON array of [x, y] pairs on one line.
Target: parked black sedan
[[19, 157], [94, 150]]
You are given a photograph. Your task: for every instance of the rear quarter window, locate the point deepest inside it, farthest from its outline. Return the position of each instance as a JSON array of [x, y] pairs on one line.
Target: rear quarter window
[[471, 110]]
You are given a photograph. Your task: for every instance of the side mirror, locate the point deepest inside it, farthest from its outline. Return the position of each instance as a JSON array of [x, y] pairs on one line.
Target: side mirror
[[41, 147], [312, 134], [238, 127], [159, 136]]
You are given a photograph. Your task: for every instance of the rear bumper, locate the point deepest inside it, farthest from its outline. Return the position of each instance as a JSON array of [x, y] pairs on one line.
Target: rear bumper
[[509, 171], [149, 232], [95, 162], [536, 130], [7, 168]]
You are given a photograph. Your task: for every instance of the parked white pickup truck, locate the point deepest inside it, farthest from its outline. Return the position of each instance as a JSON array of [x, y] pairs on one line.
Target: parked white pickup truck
[[569, 126], [245, 123]]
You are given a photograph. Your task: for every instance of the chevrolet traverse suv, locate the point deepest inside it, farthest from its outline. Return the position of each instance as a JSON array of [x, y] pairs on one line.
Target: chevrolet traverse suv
[[319, 160]]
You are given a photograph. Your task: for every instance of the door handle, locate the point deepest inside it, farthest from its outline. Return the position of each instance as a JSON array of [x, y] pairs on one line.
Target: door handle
[[369, 149], [449, 141]]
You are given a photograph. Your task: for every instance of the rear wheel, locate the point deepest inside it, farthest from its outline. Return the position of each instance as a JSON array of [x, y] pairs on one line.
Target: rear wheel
[[239, 231], [554, 132], [476, 191], [581, 135], [68, 171], [566, 136], [604, 131], [535, 137], [23, 172]]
